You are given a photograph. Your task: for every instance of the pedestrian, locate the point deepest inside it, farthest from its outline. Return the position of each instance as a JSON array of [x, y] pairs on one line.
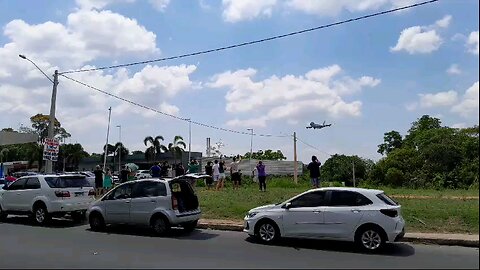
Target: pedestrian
[[179, 170], [107, 181], [216, 173], [209, 172], [314, 168], [155, 170], [98, 172], [221, 178], [164, 169], [9, 179], [262, 176], [124, 174], [193, 167], [235, 172]]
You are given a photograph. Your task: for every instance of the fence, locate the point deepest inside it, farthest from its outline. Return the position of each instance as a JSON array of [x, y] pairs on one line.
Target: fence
[[272, 167]]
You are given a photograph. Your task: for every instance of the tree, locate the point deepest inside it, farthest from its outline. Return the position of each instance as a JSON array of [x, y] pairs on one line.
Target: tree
[[40, 123], [422, 124], [266, 155], [177, 147], [71, 154], [392, 140], [339, 168], [120, 151], [138, 152], [155, 147], [8, 129]]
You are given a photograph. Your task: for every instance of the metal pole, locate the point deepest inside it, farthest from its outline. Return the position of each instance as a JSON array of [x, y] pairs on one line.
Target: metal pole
[[189, 140], [51, 127], [251, 150], [295, 165], [106, 144]]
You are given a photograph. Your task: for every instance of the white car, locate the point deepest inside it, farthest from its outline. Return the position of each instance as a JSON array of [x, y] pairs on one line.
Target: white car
[[46, 196], [88, 175], [143, 174], [364, 216], [156, 203]]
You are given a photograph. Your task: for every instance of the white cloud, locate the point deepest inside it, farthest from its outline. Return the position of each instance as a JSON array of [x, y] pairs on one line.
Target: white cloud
[[159, 5], [444, 22], [438, 100], [289, 97], [415, 40], [454, 70], [460, 125], [333, 8], [411, 106], [168, 108], [239, 10], [472, 42], [468, 106]]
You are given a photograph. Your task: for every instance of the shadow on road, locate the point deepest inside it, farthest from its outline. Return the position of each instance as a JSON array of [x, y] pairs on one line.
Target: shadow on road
[[175, 233], [395, 249], [54, 223]]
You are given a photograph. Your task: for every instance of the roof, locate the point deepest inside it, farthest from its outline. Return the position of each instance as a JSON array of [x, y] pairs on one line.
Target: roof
[[361, 190]]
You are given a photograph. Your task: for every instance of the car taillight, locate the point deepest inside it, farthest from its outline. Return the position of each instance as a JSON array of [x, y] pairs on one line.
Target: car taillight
[[389, 212], [174, 203], [91, 192], [62, 194]]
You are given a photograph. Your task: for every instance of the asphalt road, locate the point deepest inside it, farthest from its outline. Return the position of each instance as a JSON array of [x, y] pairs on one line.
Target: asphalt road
[[66, 245]]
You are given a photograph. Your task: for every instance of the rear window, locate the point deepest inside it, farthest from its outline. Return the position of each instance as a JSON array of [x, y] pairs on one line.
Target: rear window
[[386, 199], [67, 182]]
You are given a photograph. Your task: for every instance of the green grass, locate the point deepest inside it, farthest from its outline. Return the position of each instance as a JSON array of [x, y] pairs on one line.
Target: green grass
[[438, 214]]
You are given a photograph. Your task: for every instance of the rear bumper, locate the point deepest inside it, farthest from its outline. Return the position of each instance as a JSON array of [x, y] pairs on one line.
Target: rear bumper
[[179, 218], [400, 236], [65, 207]]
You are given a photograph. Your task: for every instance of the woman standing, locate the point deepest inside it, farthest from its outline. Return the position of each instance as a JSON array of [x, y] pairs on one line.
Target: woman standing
[[107, 181], [221, 178], [262, 176]]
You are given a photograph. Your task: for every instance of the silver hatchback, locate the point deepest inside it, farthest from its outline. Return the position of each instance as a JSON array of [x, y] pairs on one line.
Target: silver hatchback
[[158, 203]]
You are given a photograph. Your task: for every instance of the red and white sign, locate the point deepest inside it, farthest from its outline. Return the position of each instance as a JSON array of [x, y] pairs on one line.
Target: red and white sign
[[50, 149]]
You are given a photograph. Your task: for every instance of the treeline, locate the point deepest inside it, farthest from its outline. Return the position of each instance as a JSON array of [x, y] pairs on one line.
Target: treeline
[[428, 156]]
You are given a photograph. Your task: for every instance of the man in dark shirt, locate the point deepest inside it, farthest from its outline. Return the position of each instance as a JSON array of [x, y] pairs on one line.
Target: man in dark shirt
[[164, 169], [155, 171], [314, 168], [124, 175], [98, 179]]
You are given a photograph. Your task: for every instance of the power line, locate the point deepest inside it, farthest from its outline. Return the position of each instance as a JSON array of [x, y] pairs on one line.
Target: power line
[[170, 115], [254, 41], [307, 144]]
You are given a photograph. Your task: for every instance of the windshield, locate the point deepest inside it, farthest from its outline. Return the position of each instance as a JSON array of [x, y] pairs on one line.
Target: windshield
[[67, 182]]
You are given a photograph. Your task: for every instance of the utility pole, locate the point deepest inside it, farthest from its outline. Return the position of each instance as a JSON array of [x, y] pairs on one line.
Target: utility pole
[[106, 144], [51, 127], [251, 150], [353, 172], [189, 140], [295, 163], [120, 148]]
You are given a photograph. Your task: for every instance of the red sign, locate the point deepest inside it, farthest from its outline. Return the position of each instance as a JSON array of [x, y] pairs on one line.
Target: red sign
[[50, 149]]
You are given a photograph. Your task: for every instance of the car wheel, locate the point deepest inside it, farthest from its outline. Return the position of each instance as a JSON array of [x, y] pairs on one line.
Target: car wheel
[[3, 215], [78, 217], [160, 226], [190, 226], [41, 215], [267, 232], [96, 221], [370, 239]]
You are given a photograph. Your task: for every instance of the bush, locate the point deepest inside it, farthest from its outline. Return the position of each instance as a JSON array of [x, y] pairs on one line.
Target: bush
[[395, 177]]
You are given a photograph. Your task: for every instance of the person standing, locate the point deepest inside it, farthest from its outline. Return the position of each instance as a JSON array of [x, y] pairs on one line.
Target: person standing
[[107, 181], [209, 172], [124, 174], [155, 170], [262, 176], [179, 170], [193, 167], [98, 172], [314, 168], [235, 172], [221, 177], [164, 169], [216, 173]]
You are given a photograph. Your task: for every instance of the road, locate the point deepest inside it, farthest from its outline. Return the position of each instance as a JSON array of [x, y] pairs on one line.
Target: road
[[66, 245]]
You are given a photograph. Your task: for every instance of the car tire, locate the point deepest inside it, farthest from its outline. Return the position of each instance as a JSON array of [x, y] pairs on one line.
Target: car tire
[[78, 217], [41, 215], [370, 239], [190, 226], [3, 215], [267, 232], [96, 221], [160, 226]]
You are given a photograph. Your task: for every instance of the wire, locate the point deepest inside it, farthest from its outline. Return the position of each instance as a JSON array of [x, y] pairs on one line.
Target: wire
[[307, 144], [254, 41], [171, 115]]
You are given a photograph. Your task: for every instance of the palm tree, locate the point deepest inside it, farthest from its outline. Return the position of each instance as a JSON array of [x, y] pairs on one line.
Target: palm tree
[[176, 147], [154, 148]]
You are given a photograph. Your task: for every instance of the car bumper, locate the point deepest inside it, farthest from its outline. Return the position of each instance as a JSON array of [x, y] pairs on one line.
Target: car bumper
[[249, 226], [399, 232], [69, 207], [179, 218]]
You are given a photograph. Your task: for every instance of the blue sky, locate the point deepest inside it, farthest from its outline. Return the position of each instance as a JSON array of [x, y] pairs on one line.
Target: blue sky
[[366, 77]]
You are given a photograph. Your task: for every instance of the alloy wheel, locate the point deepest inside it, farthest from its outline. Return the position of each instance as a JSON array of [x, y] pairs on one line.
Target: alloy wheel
[[40, 215], [371, 240], [267, 232]]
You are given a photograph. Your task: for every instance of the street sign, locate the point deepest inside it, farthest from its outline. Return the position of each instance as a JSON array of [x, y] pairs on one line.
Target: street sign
[[50, 149]]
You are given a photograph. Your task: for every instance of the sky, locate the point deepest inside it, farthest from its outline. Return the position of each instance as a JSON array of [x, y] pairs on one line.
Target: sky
[[366, 77]]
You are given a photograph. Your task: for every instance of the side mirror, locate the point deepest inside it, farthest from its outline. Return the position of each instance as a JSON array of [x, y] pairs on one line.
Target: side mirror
[[287, 205]]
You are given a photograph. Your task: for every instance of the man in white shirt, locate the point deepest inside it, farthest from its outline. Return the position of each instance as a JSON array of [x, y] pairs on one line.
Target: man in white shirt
[[235, 173]]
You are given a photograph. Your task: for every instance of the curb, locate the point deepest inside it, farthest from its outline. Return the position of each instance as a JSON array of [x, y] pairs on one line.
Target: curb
[[412, 238]]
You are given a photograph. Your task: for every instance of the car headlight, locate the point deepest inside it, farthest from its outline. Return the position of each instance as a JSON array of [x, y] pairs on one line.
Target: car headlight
[[251, 214]]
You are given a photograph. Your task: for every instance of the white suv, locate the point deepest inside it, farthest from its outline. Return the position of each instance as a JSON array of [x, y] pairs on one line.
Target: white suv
[[156, 203], [365, 216], [47, 196]]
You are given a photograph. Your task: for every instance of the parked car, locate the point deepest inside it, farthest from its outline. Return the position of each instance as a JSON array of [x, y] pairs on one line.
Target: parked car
[[47, 196], [157, 203], [143, 174], [364, 216], [21, 174], [88, 175]]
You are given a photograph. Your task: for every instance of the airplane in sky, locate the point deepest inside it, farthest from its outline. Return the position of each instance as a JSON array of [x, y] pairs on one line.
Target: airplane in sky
[[318, 126]]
